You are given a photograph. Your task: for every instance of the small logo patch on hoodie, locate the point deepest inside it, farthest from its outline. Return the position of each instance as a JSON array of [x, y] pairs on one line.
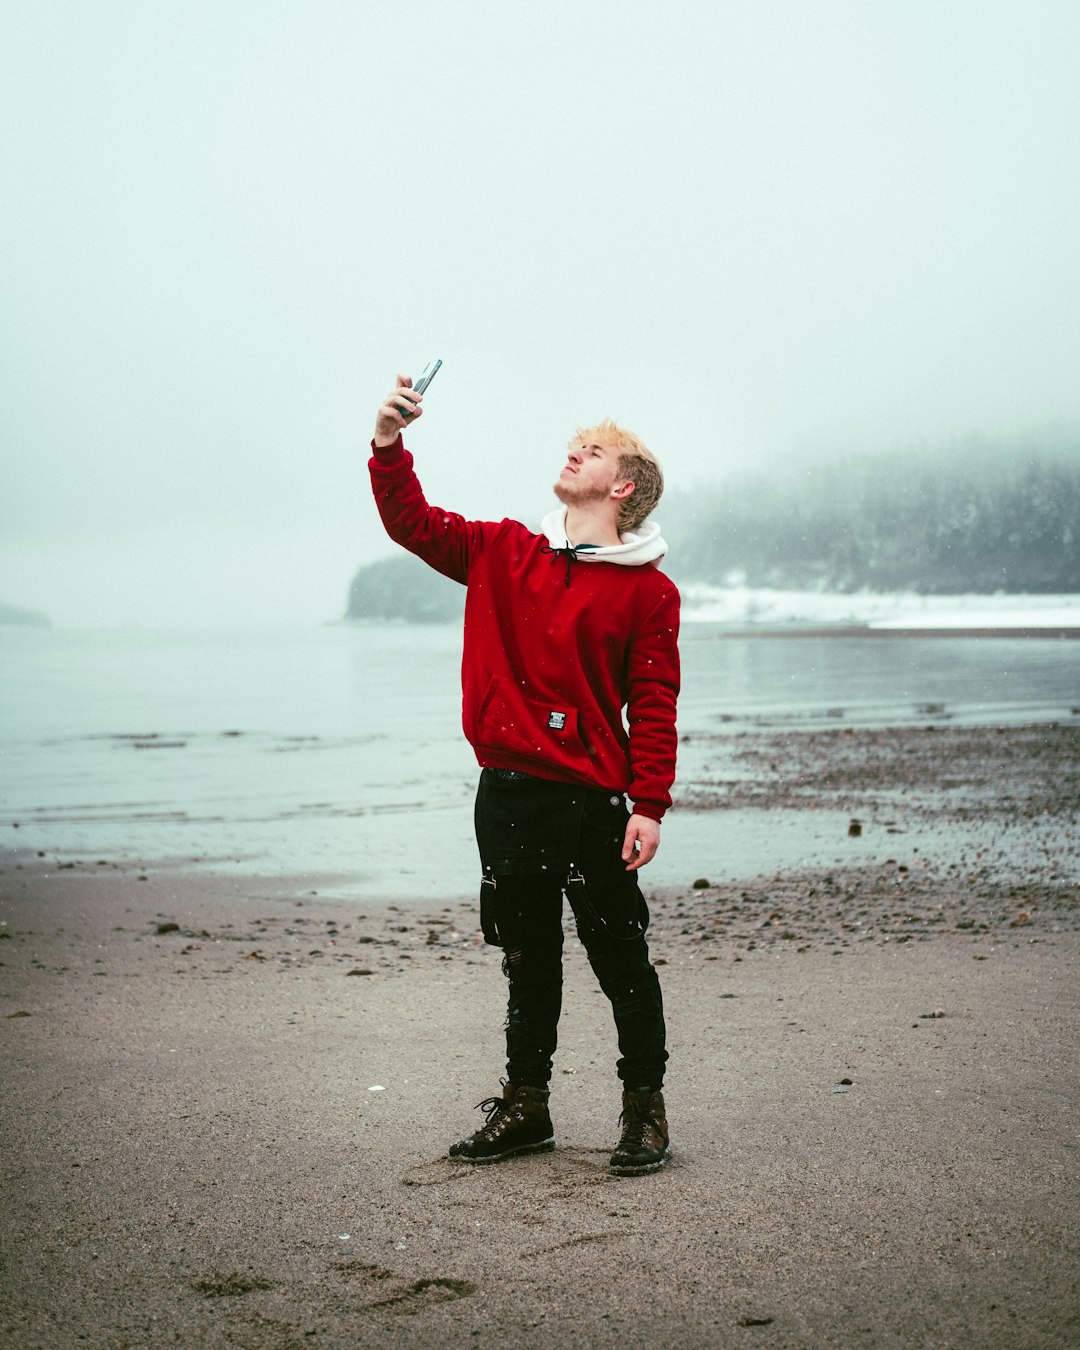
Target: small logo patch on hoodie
[[556, 721]]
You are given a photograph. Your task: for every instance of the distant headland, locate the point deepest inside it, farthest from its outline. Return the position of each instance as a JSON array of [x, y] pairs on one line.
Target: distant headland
[[26, 618]]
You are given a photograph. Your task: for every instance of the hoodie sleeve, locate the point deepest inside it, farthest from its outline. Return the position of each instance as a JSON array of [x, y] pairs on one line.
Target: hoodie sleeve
[[652, 691], [444, 540]]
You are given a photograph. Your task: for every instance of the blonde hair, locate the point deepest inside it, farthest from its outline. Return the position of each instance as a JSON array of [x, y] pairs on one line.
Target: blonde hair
[[637, 464]]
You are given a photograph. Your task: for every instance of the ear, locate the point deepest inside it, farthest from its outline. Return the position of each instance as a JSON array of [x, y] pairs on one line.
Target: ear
[[623, 490]]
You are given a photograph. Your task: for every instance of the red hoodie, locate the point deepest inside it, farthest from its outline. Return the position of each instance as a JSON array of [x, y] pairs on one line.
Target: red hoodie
[[554, 650]]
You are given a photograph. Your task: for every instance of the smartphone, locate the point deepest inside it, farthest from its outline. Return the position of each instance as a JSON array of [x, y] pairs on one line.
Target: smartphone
[[426, 376]]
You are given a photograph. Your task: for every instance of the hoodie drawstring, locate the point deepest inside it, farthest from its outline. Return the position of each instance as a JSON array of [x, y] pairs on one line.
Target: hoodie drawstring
[[570, 553]]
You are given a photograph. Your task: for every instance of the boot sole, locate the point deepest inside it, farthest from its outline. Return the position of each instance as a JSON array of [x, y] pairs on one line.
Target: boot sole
[[544, 1146], [624, 1170]]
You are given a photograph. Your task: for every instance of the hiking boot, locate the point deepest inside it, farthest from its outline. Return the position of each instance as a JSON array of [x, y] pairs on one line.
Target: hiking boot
[[517, 1122], [643, 1145]]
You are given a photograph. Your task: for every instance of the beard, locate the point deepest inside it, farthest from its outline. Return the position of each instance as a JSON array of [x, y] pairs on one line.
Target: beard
[[573, 493]]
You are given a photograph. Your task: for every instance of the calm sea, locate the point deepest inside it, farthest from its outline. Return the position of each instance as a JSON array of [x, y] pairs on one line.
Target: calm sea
[[336, 752]]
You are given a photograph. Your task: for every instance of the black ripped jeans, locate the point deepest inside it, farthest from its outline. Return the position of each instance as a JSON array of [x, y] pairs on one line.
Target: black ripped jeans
[[538, 840]]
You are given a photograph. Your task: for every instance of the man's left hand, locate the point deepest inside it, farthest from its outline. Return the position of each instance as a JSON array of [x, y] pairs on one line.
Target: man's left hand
[[640, 842]]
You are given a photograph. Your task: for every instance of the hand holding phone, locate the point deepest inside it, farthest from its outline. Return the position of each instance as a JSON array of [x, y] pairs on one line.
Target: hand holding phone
[[426, 376]]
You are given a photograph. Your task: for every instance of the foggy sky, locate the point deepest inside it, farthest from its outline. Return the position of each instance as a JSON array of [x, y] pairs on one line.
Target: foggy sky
[[753, 231]]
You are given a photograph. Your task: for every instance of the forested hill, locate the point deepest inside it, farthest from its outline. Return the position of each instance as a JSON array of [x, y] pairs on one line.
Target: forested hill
[[402, 589], [27, 618], [989, 520], [992, 518]]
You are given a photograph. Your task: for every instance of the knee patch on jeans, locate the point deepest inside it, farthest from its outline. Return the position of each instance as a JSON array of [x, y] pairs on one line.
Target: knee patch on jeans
[[488, 922]]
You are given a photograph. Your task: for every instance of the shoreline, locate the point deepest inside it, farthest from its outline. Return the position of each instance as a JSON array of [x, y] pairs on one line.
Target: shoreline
[[751, 795], [1057, 632], [692, 621]]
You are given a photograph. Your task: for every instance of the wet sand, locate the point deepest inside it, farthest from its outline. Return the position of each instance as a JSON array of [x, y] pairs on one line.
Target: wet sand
[[228, 1099]]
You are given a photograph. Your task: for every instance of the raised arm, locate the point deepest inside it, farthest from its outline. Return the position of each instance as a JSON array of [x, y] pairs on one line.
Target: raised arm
[[443, 539]]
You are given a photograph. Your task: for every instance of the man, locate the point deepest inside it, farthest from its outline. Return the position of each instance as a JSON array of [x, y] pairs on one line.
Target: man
[[563, 630]]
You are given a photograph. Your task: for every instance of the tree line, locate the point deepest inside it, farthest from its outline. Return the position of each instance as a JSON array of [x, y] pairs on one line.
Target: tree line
[[981, 522]]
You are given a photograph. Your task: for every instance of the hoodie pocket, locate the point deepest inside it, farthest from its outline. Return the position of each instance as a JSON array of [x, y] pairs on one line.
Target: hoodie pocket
[[510, 722]]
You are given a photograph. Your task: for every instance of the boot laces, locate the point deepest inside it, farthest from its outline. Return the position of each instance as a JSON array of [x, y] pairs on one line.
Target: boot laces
[[492, 1107], [496, 1109], [635, 1127]]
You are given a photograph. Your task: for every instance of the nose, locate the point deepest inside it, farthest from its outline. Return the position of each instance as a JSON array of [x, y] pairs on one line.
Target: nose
[[574, 456]]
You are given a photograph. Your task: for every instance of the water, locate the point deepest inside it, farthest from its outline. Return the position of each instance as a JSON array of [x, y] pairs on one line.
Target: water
[[336, 753], [800, 680]]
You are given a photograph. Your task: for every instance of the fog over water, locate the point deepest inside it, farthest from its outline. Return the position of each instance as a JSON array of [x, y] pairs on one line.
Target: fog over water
[[757, 233]]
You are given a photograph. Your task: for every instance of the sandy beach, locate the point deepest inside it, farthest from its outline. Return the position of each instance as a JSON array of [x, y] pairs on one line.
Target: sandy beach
[[228, 1099]]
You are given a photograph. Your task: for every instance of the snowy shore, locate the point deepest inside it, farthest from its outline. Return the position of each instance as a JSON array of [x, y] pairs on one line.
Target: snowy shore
[[754, 606]]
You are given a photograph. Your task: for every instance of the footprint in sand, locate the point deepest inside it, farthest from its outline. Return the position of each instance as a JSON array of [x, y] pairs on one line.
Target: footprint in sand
[[399, 1297], [579, 1241], [423, 1294], [567, 1160]]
